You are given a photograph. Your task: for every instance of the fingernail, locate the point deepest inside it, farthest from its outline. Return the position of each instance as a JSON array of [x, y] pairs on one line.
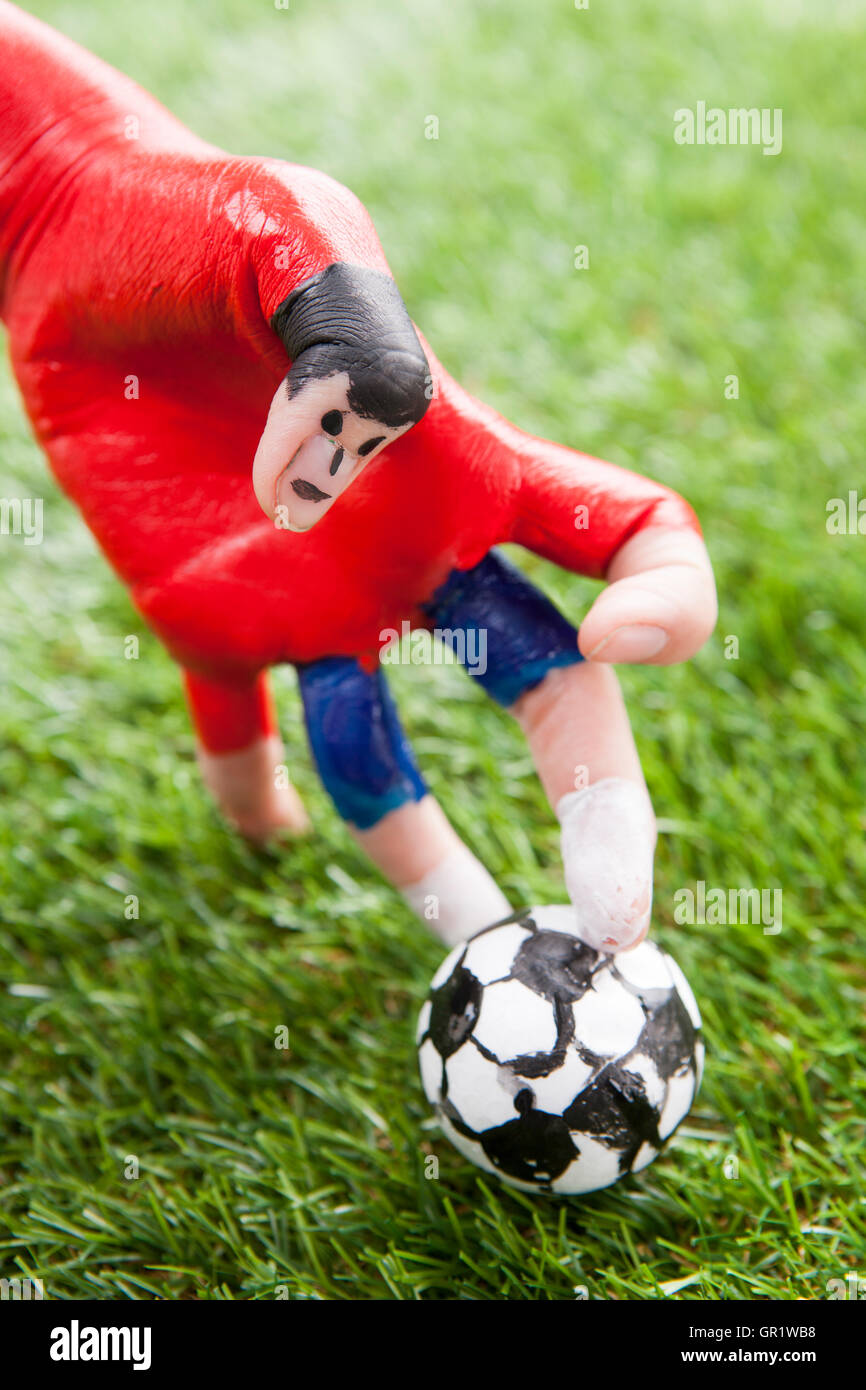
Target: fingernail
[[306, 480], [636, 642]]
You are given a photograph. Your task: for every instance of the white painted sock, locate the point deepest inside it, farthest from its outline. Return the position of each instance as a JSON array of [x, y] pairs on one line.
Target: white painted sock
[[608, 842], [457, 897]]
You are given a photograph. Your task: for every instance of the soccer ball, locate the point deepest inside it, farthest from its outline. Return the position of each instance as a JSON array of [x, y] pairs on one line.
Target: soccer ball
[[555, 1066]]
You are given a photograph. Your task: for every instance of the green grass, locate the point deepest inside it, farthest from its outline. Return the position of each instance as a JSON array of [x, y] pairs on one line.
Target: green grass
[[303, 1171]]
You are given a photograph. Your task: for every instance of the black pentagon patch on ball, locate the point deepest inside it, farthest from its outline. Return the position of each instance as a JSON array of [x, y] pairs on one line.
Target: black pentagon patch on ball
[[616, 1111], [555, 965], [669, 1036], [454, 1010], [535, 1148]]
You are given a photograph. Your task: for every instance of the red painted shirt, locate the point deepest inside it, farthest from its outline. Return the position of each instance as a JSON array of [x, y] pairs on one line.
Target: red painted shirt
[[139, 268]]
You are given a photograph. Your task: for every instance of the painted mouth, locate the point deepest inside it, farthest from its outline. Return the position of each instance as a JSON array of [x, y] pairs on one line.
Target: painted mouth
[[308, 491]]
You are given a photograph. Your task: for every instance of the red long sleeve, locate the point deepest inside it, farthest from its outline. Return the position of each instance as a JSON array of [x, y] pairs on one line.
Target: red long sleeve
[[573, 509], [578, 511]]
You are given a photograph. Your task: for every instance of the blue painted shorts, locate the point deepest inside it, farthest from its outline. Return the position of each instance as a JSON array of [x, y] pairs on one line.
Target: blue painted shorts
[[513, 634]]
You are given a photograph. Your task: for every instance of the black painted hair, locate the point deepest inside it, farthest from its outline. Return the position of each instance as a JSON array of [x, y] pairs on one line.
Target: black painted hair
[[351, 319]]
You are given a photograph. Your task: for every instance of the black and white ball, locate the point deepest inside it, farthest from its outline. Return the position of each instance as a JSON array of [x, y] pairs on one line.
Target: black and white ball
[[558, 1068]]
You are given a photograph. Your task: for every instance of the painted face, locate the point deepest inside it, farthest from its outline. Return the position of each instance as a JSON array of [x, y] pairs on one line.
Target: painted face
[[358, 380], [297, 483]]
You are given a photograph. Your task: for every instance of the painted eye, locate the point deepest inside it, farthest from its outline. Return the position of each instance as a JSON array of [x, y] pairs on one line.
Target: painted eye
[[332, 422], [336, 461], [370, 444]]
